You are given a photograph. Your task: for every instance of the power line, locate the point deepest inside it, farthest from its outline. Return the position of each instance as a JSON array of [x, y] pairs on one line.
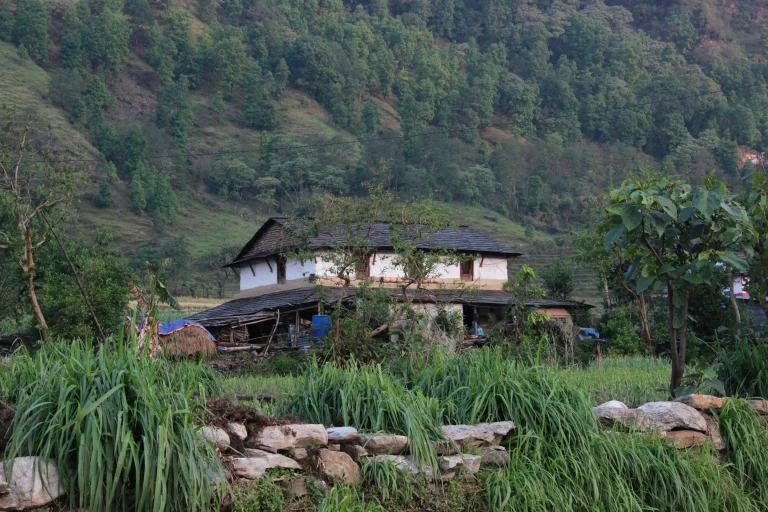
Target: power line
[[426, 133]]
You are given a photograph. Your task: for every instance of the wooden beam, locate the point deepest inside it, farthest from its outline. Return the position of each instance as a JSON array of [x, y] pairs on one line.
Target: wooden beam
[[482, 259], [252, 271], [269, 265]]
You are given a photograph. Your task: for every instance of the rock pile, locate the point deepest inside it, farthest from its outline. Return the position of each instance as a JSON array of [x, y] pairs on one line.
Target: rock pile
[[686, 422], [336, 452]]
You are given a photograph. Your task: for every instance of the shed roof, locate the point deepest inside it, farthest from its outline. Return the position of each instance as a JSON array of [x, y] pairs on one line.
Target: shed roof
[[250, 309], [273, 238]]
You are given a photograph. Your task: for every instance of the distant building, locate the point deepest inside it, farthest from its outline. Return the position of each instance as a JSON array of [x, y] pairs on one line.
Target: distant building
[[273, 278]]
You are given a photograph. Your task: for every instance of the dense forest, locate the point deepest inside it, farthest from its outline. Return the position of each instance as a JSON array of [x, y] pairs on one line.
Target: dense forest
[[528, 108]]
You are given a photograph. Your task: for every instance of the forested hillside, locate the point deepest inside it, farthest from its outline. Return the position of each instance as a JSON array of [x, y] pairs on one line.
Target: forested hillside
[[200, 118]]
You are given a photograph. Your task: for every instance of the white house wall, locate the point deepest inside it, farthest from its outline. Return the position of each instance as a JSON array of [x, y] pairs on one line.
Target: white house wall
[[493, 268], [261, 275]]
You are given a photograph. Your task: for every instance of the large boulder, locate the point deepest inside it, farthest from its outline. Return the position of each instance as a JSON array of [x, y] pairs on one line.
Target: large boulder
[[383, 444], [499, 429], [405, 463], [237, 430], [615, 404], [288, 437], [493, 456], [355, 451], [466, 437], [341, 435], [666, 416], [761, 406], [338, 466], [685, 438], [449, 464], [215, 436], [32, 483], [257, 462], [629, 418], [714, 433], [702, 402]]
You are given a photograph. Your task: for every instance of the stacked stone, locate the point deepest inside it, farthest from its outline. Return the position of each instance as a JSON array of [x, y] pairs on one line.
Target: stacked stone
[[686, 422]]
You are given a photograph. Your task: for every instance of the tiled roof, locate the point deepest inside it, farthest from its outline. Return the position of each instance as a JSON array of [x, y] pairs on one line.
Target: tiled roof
[[273, 238], [246, 310]]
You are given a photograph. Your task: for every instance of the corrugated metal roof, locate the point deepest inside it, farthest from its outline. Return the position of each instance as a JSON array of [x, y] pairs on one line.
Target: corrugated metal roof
[[271, 240]]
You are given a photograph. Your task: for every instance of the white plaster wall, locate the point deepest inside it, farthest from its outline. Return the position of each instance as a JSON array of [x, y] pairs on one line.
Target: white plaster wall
[[493, 268], [295, 269], [260, 276], [384, 267]]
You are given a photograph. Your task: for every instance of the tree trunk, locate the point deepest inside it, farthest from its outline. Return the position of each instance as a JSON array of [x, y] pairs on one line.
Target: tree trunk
[[607, 293], [30, 271], [644, 320], [676, 377]]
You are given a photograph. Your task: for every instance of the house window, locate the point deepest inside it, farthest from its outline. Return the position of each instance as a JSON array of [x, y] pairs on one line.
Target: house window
[[467, 270], [280, 270], [363, 266]]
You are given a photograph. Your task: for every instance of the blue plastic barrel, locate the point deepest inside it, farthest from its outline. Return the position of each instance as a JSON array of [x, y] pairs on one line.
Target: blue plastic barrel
[[321, 325]]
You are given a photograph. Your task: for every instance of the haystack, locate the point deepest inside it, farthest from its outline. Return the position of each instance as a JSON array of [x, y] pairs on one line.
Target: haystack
[[189, 340]]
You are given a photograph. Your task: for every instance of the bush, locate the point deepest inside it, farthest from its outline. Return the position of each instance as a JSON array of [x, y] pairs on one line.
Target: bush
[[618, 329], [743, 370], [121, 430], [262, 495]]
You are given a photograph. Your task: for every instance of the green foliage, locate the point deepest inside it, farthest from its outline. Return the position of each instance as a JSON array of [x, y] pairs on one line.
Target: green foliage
[[743, 369], [746, 444], [558, 281], [263, 495], [673, 234], [30, 28], [119, 430], [371, 116], [620, 330], [388, 481], [104, 275], [632, 380]]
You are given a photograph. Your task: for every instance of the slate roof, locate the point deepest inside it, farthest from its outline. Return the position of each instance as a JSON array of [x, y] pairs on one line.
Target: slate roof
[[250, 309], [273, 238]]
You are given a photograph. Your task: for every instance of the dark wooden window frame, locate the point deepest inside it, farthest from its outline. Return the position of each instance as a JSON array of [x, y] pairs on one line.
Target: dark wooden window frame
[[467, 270]]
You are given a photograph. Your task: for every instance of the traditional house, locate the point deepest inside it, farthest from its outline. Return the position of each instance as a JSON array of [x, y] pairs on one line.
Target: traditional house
[[277, 282]]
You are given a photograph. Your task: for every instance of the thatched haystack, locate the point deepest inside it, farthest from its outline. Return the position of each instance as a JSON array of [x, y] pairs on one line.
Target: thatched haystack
[[187, 341]]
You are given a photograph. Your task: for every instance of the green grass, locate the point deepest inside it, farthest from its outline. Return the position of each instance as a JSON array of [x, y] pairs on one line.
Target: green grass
[[267, 394], [632, 380], [122, 431], [25, 84]]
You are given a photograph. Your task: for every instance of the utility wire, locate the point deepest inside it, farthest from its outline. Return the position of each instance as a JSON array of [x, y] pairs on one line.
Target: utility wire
[[423, 134]]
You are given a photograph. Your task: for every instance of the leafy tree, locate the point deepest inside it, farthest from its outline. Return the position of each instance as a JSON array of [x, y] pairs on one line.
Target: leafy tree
[[6, 20], [675, 234], [312, 64], [260, 113], [30, 28], [218, 106], [371, 116], [280, 81], [40, 191], [211, 267], [175, 110], [66, 88], [104, 275], [104, 197], [107, 43], [558, 281], [71, 48]]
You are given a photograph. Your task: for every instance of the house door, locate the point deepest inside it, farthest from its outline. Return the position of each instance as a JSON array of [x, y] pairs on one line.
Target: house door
[[466, 269]]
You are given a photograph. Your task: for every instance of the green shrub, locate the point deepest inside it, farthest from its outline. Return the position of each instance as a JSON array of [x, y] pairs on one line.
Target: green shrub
[[388, 481], [122, 431], [262, 495], [743, 369]]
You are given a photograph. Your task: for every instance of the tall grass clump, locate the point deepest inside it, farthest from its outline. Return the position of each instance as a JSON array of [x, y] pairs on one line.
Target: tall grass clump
[[347, 499], [388, 480], [743, 369], [746, 442], [368, 398], [122, 431]]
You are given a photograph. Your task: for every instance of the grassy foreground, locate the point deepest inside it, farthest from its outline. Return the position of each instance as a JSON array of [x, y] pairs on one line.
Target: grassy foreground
[[122, 431]]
